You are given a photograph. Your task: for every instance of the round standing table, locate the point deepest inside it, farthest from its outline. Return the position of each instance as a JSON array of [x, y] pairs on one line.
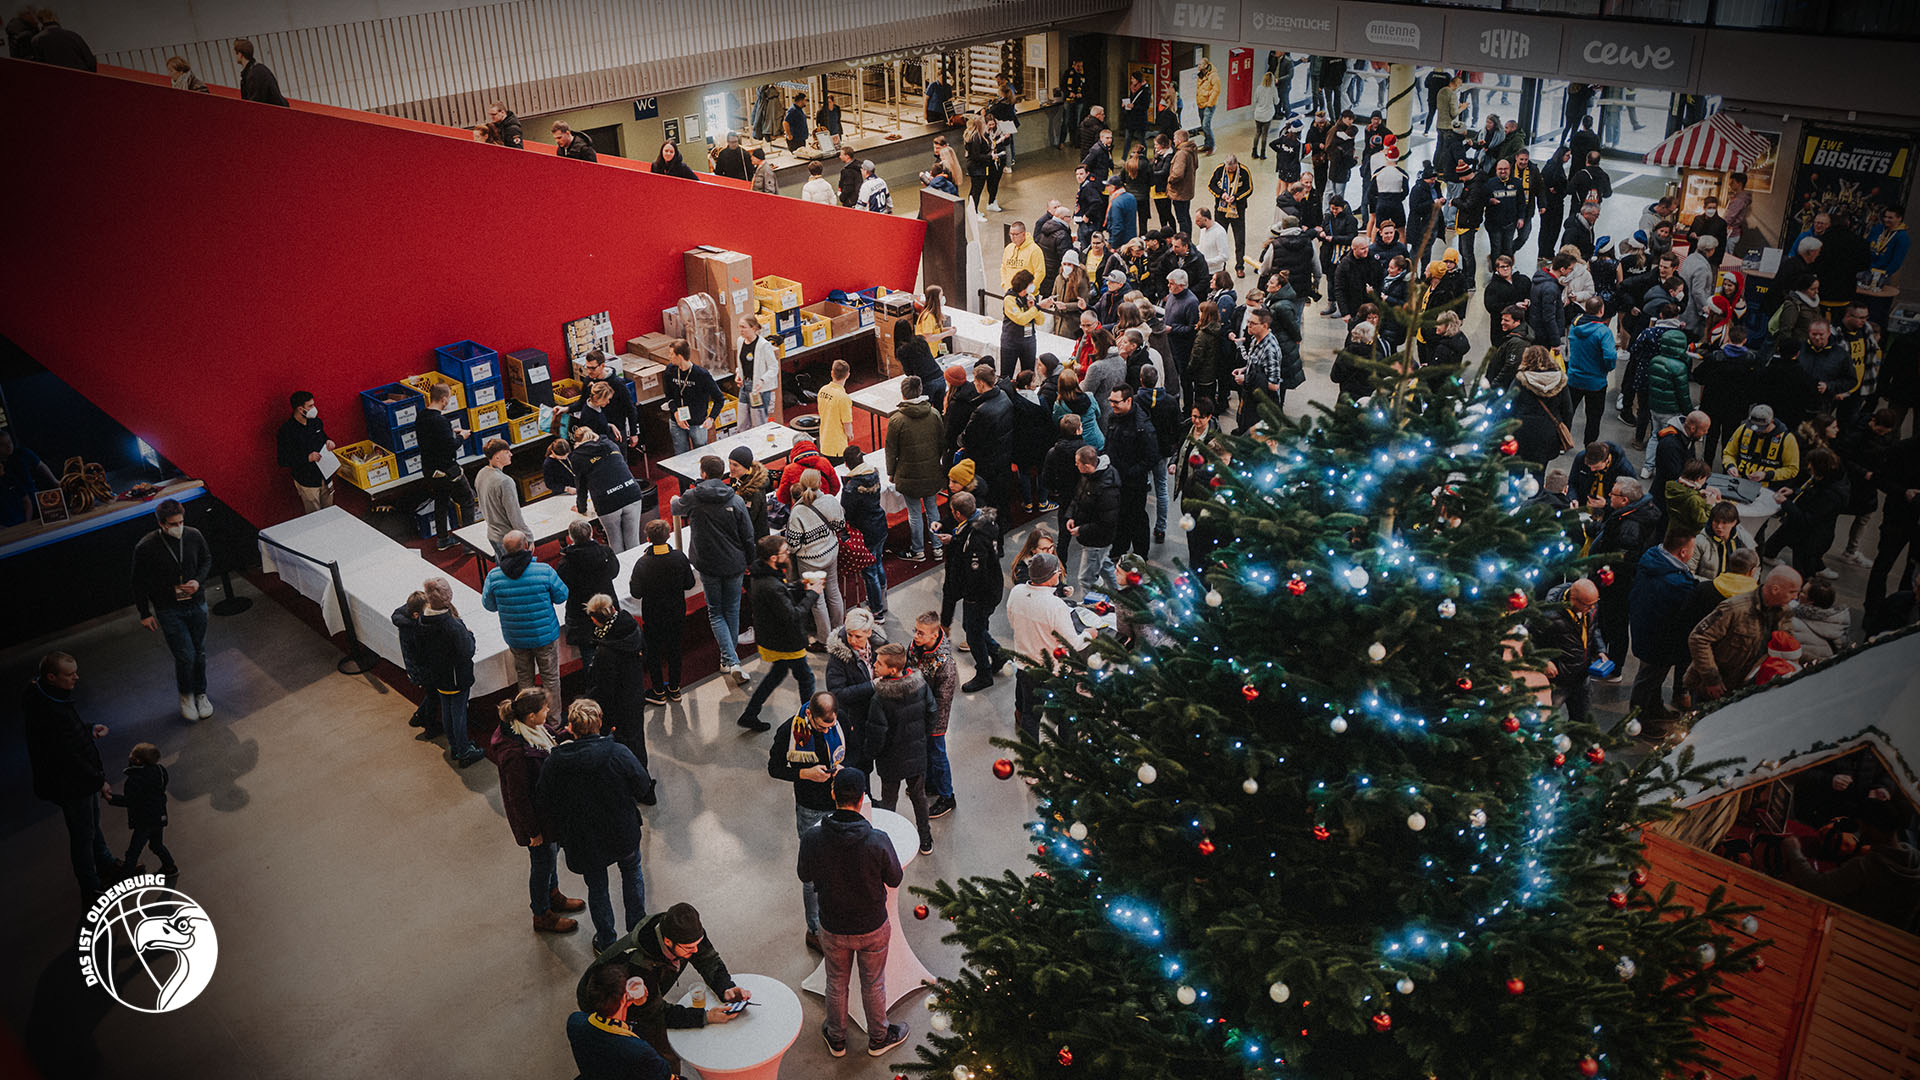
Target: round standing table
[[748, 1047], [905, 973], [1755, 501]]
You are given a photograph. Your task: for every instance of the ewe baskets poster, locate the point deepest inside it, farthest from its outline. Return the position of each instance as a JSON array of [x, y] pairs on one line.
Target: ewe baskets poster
[[1850, 175]]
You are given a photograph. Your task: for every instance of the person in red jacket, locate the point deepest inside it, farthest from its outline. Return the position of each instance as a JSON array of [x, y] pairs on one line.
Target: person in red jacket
[[806, 455]]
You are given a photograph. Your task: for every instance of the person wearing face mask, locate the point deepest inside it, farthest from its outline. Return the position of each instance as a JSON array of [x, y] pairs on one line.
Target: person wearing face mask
[[301, 439], [1708, 222], [170, 566]]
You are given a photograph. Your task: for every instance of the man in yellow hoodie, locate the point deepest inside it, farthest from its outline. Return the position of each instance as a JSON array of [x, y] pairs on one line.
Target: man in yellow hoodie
[[1021, 253], [1206, 94]]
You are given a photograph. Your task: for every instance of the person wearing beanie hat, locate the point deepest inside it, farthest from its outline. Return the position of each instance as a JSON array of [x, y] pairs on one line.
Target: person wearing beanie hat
[[751, 481], [1783, 658], [1042, 621], [960, 477]]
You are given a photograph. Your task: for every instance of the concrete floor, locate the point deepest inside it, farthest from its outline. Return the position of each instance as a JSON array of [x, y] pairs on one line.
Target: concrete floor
[[369, 898]]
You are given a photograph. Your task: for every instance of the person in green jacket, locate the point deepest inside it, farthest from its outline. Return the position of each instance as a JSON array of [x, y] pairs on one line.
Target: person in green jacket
[[1687, 501], [1668, 392]]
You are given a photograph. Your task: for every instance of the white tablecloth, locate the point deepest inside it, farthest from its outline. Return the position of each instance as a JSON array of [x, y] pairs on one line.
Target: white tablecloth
[[768, 441], [751, 1044], [546, 518], [980, 334]]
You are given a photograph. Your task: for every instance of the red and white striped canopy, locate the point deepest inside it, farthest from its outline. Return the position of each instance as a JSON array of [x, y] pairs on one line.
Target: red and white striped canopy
[[1718, 142]]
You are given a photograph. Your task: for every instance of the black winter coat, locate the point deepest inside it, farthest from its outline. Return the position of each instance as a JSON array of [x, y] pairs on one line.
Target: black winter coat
[[257, 83], [860, 501], [586, 798], [619, 681], [781, 610], [660, 581], [60, 747], [1060, 476], [849, 678], [1096, 507], [602, 468], [446, 652], [723, 536], [988, 436], [1033, 432], [144, 794], [1132, 448], [895, 735], [1810, 514], [1540, 417], [587, 569], [973, 565]]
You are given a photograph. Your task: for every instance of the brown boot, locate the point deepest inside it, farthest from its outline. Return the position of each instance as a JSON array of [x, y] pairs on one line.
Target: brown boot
[[560, 902], [554, 924]]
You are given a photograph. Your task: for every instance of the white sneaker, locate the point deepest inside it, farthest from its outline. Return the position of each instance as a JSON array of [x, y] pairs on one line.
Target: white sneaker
[[738, 674], [1620, 403], [1829, 573], [205, 706], [995, 207], [1646, 472], [1856, 558], [189, 709], [978, 216]]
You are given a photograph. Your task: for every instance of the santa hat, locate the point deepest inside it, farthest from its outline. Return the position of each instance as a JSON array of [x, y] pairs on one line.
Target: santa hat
[[1783, 646]]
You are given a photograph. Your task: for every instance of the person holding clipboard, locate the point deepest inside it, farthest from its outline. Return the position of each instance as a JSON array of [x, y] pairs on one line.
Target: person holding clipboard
[[307, 452]]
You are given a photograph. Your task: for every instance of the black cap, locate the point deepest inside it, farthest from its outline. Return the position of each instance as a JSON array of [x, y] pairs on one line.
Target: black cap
[[741, 454]]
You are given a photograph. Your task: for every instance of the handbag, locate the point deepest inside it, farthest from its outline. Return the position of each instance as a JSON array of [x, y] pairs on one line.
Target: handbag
[[854, 555]]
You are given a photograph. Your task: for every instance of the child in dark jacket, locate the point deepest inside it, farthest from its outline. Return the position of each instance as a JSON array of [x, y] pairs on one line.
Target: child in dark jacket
[[406, 621], [660, 582], [145, 797]]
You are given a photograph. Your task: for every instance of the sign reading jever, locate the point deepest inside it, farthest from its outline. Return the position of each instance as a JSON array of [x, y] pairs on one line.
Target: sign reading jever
[[1502, 42]]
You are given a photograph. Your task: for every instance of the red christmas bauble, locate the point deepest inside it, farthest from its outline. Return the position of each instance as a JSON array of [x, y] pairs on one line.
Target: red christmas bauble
[[1195, 460], [1463, 683], [1205, 845], [1517, 600], [1297, 586], [1003, 768], [1042, 875], [920, 911], [1134, 578], [1596, 755], [1589, 1067], [1637, 879], [1559, 759], [1605, 576], [1059, 652], [1321, 832], [1509, 446], [1381, 1022], [1249, 691], [1759, 963], [1516, 986], [1213, 481], [1510, 725], [1618, 900], [1039, 849], [1102, 608], [1065, 1057]]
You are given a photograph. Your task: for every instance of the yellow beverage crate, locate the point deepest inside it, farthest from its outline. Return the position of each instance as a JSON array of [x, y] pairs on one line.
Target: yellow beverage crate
[[815, 329], [566, 393], [778, 293], [425, 384], [523, 422], [482, 417], [366, 464]]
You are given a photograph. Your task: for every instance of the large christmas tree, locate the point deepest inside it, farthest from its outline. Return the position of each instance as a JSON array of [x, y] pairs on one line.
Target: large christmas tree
[[1313, 820]]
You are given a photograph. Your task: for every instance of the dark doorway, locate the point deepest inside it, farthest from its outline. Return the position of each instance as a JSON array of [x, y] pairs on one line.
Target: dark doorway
[[606, 140]]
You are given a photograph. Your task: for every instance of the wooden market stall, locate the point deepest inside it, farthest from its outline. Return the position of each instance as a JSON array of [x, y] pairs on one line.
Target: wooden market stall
[[1838, 997]]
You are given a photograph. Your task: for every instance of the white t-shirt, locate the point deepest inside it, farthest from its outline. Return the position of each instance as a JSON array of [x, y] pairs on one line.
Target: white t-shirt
[[1036, 615], [1388, 177], [1215, 245]]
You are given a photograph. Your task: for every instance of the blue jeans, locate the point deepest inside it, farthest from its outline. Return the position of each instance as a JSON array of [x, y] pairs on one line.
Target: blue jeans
[[762, 690], [453, 717], [723, 614], [686, 438], [185, 628], [939, 769], [803, 820], [1160, 497], [1206, 125], [633, 898], [86, 845], [543, 876], [840, 950], [923, 517]]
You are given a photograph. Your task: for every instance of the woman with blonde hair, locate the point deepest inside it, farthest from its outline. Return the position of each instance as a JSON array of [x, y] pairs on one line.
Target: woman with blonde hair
[[981, 172], [931, 323], [519, 749], [813, 534], [1069, 295]]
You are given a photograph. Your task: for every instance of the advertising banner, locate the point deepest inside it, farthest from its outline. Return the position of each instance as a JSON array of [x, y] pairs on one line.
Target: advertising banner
[[1849, 175]]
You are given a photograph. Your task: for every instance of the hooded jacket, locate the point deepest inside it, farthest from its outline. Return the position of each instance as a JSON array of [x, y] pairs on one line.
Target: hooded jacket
[[602, 468], [144, 794], [860, 501], [643, 951], [1656, 606], [898, 716], [65, 760], [523, 591], [723, 535], [1591, 353], [519, 763], [1668, 389], [849, 677], [1540, 401], [587, 569], [851, 865], [586, 796], [1082, 405], [753, 489], [1096, 506], [780, 611], [1503, 360], [660, 580], [806, 455], [1132, 447], [619, 681], [916, 435], [973, 565], [446, 651]]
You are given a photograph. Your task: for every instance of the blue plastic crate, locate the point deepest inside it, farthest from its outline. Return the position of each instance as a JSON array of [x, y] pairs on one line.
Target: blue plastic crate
[[409, 464], [423, 520], [485, 393], [390, 410], [786, 322], [468, 361], [479, 438]]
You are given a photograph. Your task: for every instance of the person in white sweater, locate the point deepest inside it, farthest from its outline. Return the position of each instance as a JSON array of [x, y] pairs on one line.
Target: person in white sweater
[[817, 189], [498, 496], [1820, 625], [1211, 240], [1041, 619]]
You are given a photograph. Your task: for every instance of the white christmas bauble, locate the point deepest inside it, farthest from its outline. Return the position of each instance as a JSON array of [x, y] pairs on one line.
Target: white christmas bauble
[[1562, 744], [1186, 995], [1214, 599], [1077, 830], [1529, 486], [1147, 774], [1095, 661], [1404, 986], [1625, 968], [1186, 522], [1749, 925], [1708, 953], [961, 1072], [1376, 652], [1250, 786], [1357, 577], [1633, 727], [1279, 992], [1338, 724], [1448, 608], [1416, 821], [1520, 630], [1478, 818], [940, 1021]]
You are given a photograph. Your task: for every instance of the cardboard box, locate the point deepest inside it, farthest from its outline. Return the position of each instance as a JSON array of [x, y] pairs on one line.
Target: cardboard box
[[884, 357], [815, 329], [649, 377], [670, 323], [844, 318], [647, 344], [777, 293], [529, 377], [728, 277]]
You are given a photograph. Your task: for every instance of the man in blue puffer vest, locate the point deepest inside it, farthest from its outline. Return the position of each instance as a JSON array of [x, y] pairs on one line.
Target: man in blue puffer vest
[[524, 590]]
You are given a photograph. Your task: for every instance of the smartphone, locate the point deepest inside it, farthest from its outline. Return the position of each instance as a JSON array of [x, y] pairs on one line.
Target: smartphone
[[734, 1007]]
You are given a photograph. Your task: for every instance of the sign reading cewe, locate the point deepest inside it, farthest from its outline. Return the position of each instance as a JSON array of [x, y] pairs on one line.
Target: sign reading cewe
[[1626, 54]]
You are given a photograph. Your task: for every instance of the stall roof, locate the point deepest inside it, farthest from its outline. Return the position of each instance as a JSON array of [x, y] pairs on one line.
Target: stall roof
[[1870, 697], [1718, 142]]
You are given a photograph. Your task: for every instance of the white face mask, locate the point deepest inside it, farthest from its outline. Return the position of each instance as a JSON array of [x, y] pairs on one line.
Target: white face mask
[[313, 411], [175, 531]]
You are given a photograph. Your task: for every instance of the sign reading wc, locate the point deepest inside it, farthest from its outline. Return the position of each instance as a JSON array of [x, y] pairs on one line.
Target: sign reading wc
[[1218, 20]]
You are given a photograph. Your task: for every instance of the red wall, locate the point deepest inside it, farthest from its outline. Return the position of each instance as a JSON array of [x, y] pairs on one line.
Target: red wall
[[186, 261]]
